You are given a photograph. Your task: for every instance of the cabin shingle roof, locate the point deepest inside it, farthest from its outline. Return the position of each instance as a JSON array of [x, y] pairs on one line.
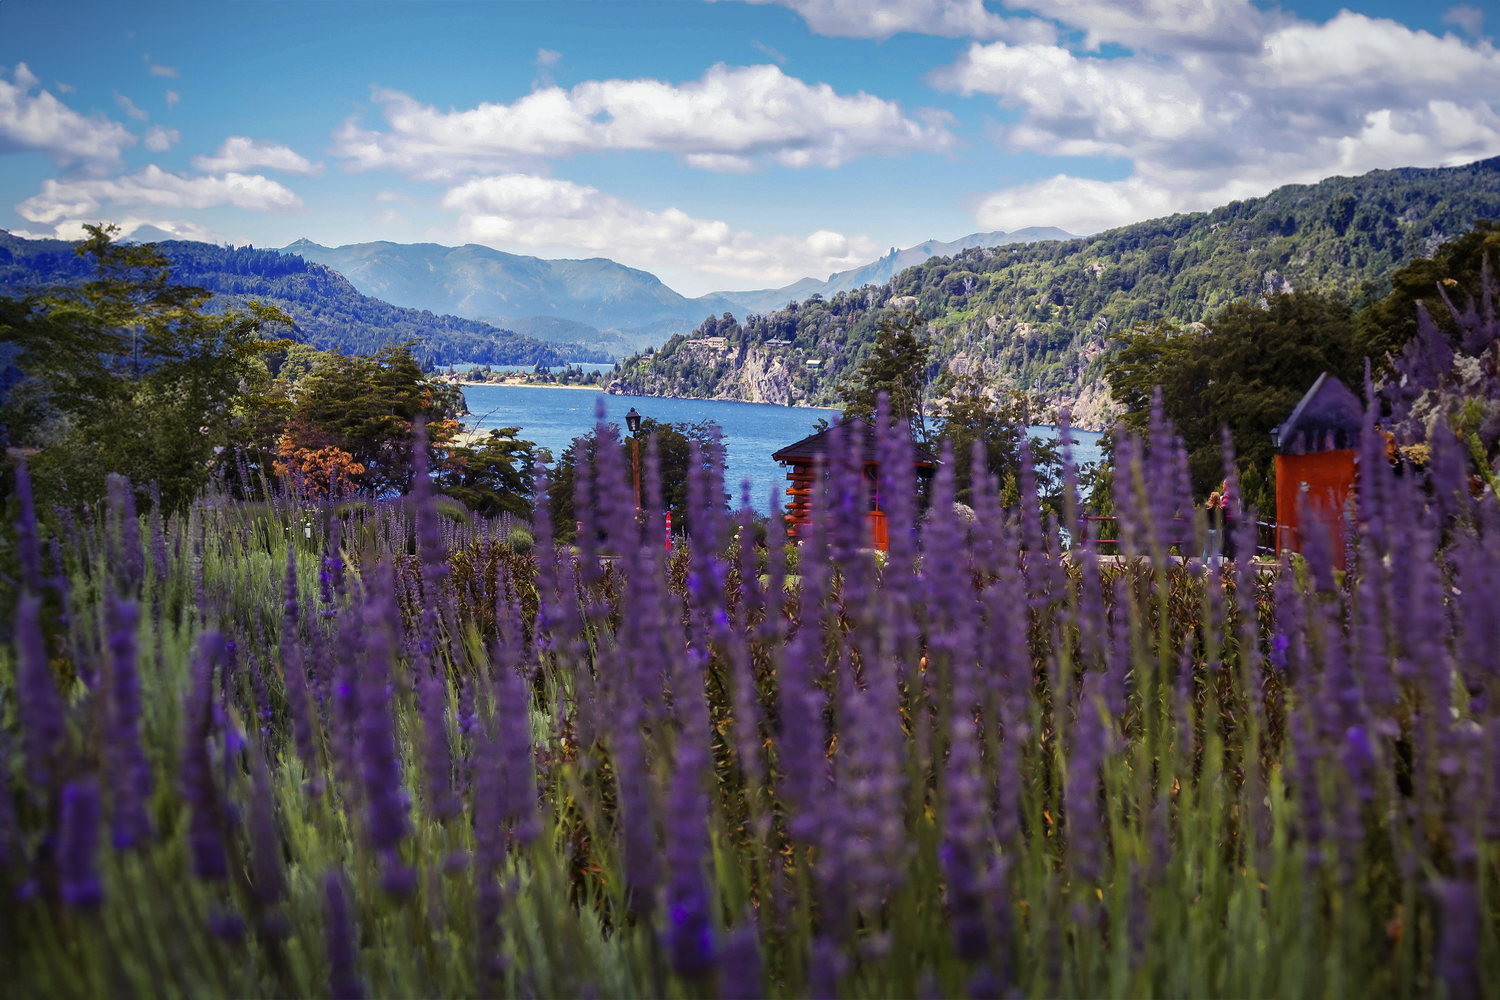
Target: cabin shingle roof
[[1327, 412], [807, 450]]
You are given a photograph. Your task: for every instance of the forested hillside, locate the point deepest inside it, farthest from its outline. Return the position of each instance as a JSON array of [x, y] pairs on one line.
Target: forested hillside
[[1042, 315], [329, 311]]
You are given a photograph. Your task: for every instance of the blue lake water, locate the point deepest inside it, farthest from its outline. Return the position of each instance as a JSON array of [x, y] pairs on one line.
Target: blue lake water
[[752, 431]]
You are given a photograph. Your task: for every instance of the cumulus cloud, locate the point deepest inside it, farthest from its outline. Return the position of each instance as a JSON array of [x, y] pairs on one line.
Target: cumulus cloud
[[1469, 19], [42, 122], [547, 57], [880, 19], [173, 99], [239, 153], [1306, 101], [128, 106], [160, 70], [733, 119], [1203, 26], [65, 88], [159, 139], [155, 188], [520, 210]]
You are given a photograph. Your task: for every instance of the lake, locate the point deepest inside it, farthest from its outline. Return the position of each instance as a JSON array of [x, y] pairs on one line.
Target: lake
[[752, 431]]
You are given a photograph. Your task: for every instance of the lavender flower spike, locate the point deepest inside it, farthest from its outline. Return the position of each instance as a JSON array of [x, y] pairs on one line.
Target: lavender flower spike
[[78, 845], [196, 772], [27, 544], [343, 944], [130, 771], [41, 706]]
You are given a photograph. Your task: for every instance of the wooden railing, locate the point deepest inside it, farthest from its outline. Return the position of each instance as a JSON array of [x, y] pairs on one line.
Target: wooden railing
[[1183, 535]]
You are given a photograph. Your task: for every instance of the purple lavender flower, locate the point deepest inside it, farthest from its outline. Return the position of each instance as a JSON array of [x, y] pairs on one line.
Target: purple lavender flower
[[1457, 960], [265, 839], [388, 822], [129, 559], [1085, 846], [1307, 756], [437, 757], [130, 773], [513, 702], [78, 845], [294, 676], [829, 966], [690, 935], [196, 773], [740, 975], [28, 545], [642, 860], [41, 706], [342, 942], [9, 831]]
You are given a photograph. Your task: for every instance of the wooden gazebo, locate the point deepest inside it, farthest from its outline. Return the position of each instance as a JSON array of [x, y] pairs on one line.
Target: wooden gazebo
[[1316, 449], [802, 461]]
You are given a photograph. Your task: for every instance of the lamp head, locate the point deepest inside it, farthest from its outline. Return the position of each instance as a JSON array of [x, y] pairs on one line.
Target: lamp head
[[633, 421]]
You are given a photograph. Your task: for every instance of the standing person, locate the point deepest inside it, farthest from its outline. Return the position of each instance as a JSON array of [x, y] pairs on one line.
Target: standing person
[[1215, 507], [1226, 517]]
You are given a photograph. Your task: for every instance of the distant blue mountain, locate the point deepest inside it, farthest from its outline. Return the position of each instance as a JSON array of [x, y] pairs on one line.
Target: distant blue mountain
[[501, 288], [597, 301]]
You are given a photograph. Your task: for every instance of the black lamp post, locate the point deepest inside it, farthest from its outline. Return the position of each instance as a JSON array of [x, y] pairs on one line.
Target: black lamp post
[[633, 421]]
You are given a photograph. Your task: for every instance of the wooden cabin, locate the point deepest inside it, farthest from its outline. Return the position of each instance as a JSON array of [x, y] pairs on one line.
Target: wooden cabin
[[801, 460], [1316, 463]]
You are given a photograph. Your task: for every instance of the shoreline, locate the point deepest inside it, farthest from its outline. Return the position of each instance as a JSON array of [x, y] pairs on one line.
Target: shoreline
[[532, 385]]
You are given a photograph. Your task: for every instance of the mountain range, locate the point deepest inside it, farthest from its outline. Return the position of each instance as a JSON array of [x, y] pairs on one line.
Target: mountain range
[[596, 302]]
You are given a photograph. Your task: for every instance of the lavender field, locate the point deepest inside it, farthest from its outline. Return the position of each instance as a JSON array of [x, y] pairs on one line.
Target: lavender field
[[288, 748]]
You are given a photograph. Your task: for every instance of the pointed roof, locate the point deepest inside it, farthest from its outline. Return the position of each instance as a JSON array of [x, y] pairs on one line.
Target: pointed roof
[[807, 450], [1328, 417]]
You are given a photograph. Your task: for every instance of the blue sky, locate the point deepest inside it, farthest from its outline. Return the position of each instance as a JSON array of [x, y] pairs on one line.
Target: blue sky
[[720, 145]]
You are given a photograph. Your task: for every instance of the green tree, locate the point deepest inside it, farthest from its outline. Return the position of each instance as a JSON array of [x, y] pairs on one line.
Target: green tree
[[673, 441], [1387, 325], [492, 476], [366, 407], [999, 423], [128, 373], [897, 365], [1245, 370]]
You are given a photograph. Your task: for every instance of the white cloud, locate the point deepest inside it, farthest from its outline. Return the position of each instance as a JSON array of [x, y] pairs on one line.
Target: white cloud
[[173, 99], [169, 71], [239, 153], [156, 188], [1304, 102], [880, 19], [64, 88], [128, 106], [44, 123], [159, 139], [1075, 204], [734, 119], [547, 57], [130, 225], [519, 210], [1469, 19], [1204, 26], [72, 229]]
